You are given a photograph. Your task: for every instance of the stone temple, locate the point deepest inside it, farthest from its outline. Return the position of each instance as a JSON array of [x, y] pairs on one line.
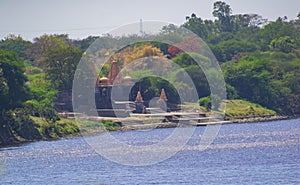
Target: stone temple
[[114, 96]]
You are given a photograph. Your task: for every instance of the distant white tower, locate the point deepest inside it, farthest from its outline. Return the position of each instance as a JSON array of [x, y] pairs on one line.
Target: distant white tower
[[141, 27]]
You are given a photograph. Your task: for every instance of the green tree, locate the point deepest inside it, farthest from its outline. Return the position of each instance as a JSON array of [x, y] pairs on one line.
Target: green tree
[[60, 63], [249, 34], [13, 91], [250, 77], [270, 82], [171, 28], [42, 99], [36, 52], [222, 11], [284, 44], [197, 26], [85, 43], [231, 48], [191, 68], [275, 30], [15, 44]]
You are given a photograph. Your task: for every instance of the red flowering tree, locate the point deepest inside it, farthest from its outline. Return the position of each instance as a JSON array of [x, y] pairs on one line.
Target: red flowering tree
[[173, 51], [190, 43]]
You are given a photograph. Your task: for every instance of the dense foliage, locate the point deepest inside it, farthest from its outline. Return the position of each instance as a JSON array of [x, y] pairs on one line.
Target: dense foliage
[[22, 101], [270, 79], [260, 61]]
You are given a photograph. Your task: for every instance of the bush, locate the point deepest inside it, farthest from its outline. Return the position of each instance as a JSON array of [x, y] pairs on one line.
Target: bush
[[111, 126], [63, 127], [21, 125], [205, 102]]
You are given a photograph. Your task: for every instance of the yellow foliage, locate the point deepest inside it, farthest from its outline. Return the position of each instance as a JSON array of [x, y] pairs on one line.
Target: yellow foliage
[[132, 53]]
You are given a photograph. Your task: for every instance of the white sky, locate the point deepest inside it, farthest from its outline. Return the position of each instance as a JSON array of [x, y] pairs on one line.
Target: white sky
[[81, 18]]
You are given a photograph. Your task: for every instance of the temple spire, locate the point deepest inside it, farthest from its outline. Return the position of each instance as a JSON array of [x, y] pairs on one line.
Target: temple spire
[[163, 95], [139, 97], [113, 73]]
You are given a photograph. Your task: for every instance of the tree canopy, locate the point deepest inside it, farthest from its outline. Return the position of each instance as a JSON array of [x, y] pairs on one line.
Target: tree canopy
[[260, 60], [13, 90]]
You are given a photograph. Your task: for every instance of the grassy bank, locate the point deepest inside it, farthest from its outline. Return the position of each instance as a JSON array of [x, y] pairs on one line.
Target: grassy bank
[[40, 129], [238, 109], [69, 127], [90, 127], [63, 127]]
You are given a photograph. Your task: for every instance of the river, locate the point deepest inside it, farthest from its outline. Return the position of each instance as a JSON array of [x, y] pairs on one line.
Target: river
[[249, 153]]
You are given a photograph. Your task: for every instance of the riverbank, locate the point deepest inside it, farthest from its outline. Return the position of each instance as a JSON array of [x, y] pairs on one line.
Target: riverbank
[[88, 127], [232, 121], [95, 126], [261, 119]]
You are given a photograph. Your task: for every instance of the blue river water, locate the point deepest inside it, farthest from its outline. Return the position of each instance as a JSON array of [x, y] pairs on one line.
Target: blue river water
[[252, 153]]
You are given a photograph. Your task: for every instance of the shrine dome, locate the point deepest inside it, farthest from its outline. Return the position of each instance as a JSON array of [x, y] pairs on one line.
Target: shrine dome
[[103, 81]]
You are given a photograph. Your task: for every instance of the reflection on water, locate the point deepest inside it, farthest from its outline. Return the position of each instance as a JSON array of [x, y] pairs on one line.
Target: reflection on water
[[253, 153]]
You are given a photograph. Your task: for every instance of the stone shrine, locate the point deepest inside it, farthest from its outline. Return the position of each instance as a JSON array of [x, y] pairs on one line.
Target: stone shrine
[[113, 95]]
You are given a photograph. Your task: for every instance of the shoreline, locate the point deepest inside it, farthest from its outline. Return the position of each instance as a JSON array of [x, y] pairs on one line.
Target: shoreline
[[262, 119], [155, 126], [232, 121]]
